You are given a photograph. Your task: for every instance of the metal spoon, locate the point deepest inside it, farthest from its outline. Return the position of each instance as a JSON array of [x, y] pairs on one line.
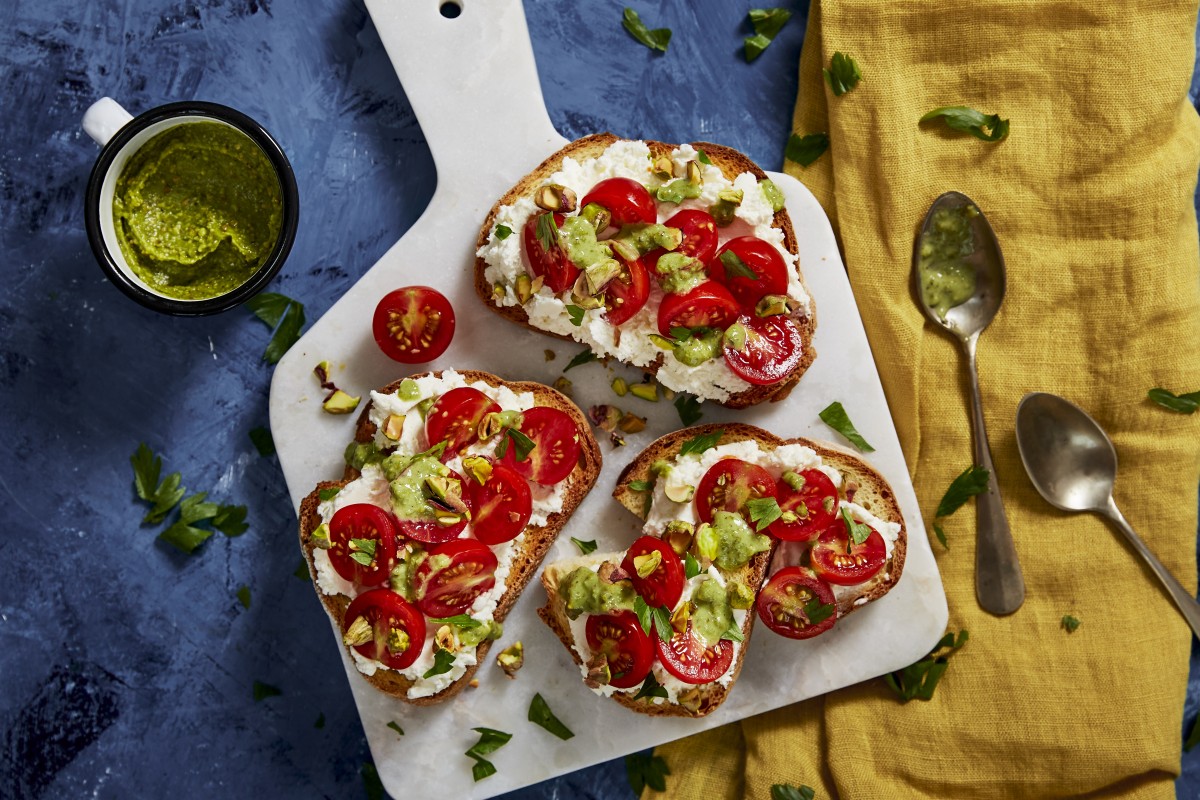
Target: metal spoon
[[1073, 464], [999, 585]]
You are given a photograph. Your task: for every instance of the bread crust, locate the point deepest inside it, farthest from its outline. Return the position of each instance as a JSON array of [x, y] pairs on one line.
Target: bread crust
[[732, 163], [537, 541]]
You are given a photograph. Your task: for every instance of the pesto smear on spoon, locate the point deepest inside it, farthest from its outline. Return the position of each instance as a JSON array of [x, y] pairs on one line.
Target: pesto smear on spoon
[[946, 279]]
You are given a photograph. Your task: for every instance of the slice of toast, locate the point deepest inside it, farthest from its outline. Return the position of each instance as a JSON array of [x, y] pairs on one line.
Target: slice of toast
[[536, 541], [732, 163]]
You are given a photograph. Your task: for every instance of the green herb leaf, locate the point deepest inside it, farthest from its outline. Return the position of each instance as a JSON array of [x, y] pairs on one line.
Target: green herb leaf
[[734, 634], [785, 791], [804, 150], [302, 572], [641, 486], [644, 769], [1180, 403], [503, 232], [522, 444], [656, 39], [689, 409], [766, 22], [816, 611], [490, 740], [320, 723], [372, 785], [651, 688], [269, 307], [857, 531], [662, 623], [1193, 737], [396, 727], [363, 551], [764, 511], [582, 358], [243, 596], [698, 444], [1070, 624], [182, 534], [973, 481], [443, 660], [540, 714], [681, 334], [282, 314], [576, 314], [735, 267], [482, 769], [263, 442], [940, 533], [644, 615], [843, 74], [968, 120], [231, 520], [920, 679], [546, 231], [328, 494], [702, 157], [835, 416], [464, 621], [585, 547], [691, 567], [165, 495], [264, 690]]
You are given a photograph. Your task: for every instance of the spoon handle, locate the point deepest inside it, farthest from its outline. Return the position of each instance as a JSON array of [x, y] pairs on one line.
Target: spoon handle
[[999, 585], [1182, 597]]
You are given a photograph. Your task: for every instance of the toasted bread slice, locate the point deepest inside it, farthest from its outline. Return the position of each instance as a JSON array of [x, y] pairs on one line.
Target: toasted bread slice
[[732, 163], [533, 548]]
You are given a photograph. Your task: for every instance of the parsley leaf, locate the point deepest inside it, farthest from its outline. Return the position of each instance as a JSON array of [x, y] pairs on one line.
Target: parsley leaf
[[651, 688], [302, 572], [656, 39], [363, 551], [540, 714], [920, 679], [734, 634], [816, 611], [698, 444], [443, 660], [546, 231], [585, 547], [691, 567], [645, 769], [522, 444], [503, 232], [464, 621], [269, 307], [576, 313], [973, 481], [146, 469], [243, 596], [1070, 624], [490, 740], [582, 358], [372, 785], [264, 443], [940, 533], [653, 619], [767, 23], [702, 157], [328, 494], [641, 486], [1180, 403], [264, 690], [283, 315], [968, 120], [857, 531], [764, 511], [835, 416], [680, 333], [735, 267], [182, 534], [785, 791], [804, 150], [230, 520], [689, 409], [396, 727], [843, 74]]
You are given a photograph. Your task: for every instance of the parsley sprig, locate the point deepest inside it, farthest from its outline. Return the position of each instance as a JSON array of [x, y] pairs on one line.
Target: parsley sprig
[[443, 660], [735, 267], [540, 714], [857, 531], [163, 495], [522, 445], [763, 511], [988, 127], [490, 740], [645, 769], [656, 39], [786, 791], [580, 359], [689, 409], [698, 444], [651, 688], [804, 150], [281, 314], [585, 547], [972, 481], [1179, 403], [653, 619], [834, 415], [843, 74], [767, 22], [920, 679]]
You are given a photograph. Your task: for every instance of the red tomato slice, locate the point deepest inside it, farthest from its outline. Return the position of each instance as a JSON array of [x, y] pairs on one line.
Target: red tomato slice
[[453, 576], [362, 521], [627, 200], [729, 485], [772, 352], [414, 324], [815, 506], [621, 639], [664, 585], [762, 259], [556, 446], [627, 293], [782, 602], [552, 265], [838, 561], [388, 611], [428, 530], [687, 658], [709, 305], [500, 507], [454, 418], [699, 237]]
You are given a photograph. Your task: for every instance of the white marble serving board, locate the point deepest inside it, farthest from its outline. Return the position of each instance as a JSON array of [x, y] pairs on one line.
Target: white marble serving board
[[483, 142]]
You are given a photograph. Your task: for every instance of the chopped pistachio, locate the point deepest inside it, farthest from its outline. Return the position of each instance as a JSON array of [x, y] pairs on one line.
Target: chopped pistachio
[[598, 672], [735, 336], [645, 564], [555, 197], [681, 617], [548, 354], [497, 421], [663, 167], [705, 543], [322, 371], [473, 683], [601, 274], [537, 283], [605, 417], [731, 196], [444, 638], [620, 387], [393, 427], [340, 403], [524, 287], [563, 385], [646, 391], [499, 292], [694, 173], [660, 468], [829, 503], [723, 213], [447, 519], [668, 394], [409, 390], [511, 659], [789, 517], [359, 632], [662, 342], [794, 480], [632, 423], [582, 296], [626, 251], [679, 492], [740, 595], [320, 537], [679, 535], [397, 641], [477, 467], [691, 698], [597, 215], [773, 305]]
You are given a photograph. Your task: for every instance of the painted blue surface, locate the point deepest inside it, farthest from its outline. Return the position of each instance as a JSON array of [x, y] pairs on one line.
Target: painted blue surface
[[126, 669]]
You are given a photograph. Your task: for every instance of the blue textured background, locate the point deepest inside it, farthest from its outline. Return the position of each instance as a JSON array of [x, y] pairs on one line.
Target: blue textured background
[[125, 668]]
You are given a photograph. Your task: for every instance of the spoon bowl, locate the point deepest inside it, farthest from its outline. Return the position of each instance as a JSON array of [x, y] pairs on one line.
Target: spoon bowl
[[1070, 460]]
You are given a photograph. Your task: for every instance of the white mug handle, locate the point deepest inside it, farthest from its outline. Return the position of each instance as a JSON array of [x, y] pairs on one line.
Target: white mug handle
[[103, 119]]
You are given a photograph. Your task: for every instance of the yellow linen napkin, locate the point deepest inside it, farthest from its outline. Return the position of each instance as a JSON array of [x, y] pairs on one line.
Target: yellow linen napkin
[[1091, 196]]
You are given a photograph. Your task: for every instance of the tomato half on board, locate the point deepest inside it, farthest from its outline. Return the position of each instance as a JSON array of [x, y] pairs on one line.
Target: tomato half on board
[[426, 529], [453, 576], [545, 252], [838, 560], [362, 543], [627, 293], [555, 450], [621, 639], [661, 585], [709, 305], [815, 505], [454, 418], [699, 241], [500, 506], [772, 350], [413, 325], [796, 604], [626, 200], [386, 612], [688, 658], [729, 485], [761, 271]]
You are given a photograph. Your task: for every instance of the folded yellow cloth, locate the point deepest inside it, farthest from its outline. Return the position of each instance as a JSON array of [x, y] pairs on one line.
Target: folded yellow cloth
[[1091, 196]]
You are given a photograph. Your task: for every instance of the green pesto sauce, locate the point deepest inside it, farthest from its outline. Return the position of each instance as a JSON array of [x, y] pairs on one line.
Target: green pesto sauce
[[736, 543], [647, 237], [579, 239], [584, 592], [713, 615], [704, 344], [946, 279], [408, 488], [197, 210], [679, 273]]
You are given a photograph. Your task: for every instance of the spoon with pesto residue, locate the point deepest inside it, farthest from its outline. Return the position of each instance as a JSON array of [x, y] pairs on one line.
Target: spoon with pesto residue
[[958, 275]]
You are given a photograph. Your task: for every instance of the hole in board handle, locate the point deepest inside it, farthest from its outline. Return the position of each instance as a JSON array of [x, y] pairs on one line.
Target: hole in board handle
[[450, 9]]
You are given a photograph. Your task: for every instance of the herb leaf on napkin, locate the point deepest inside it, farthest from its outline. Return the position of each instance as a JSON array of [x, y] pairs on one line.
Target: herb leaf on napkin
[[920, 679], [1180, 403], [973, 481], [968, 120], [804, 150], [843, 74]]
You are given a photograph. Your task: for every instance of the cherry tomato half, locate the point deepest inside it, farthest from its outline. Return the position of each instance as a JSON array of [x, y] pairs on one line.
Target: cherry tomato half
[[662, 586], [729, 485], [762, 259], [627, 293], [500, 506], [388, 611], [771, 353], [348, 529], [783, 604], [836, 560], [454, 418], [426, 529], [699, 231], [627, 200], [413, 325], [686, 657], [453, 576], [556, 446], [549, 263], [709, 305], [621, 639], [815, 505]]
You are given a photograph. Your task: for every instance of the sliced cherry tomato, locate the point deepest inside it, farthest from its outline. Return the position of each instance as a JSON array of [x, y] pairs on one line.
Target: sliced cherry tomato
[[836, 560], [815, 505], [414, 324], [729, 485], [784, 604], [555, 446], [549, 263], [699, 237], [349, 529], [426, 529], [709, 305], [627, 200], [387, 611], [627, 293], [500, 506], [663, 585], [453, 576], [762, 259], [686, 657], [771, 353], [454, 418], [621, 639]]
